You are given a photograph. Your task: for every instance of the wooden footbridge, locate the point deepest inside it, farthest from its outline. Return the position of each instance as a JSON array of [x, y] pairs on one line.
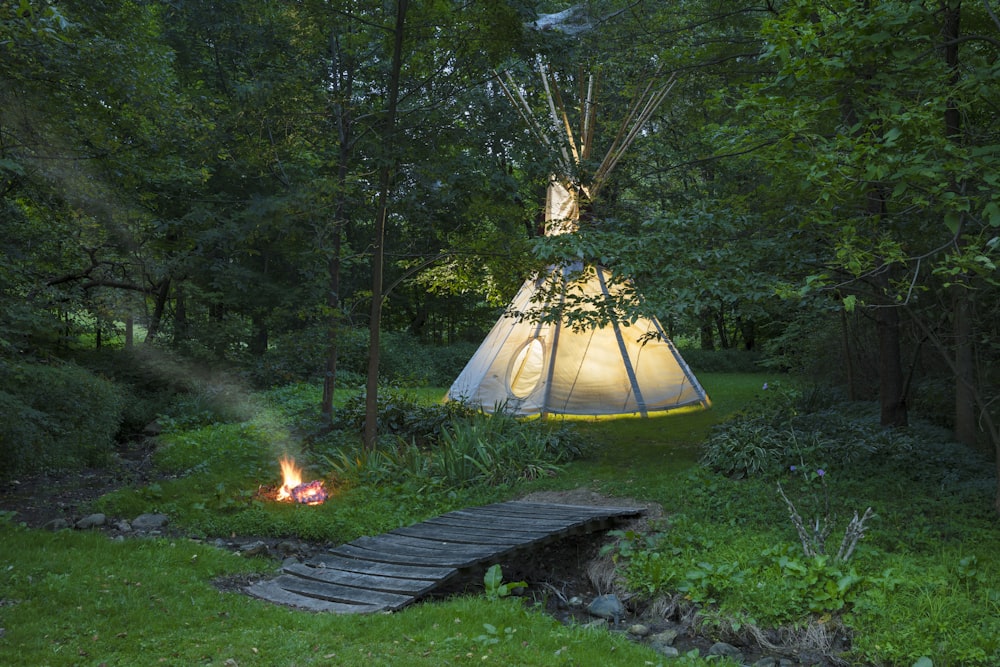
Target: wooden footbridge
[[389, 571]]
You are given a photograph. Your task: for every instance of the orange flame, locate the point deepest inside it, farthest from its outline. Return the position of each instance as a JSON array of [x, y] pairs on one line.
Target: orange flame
[[292, 487], [291, 477]]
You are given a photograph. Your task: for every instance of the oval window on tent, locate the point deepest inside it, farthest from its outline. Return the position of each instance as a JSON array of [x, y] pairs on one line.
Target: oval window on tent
[[525, 369]]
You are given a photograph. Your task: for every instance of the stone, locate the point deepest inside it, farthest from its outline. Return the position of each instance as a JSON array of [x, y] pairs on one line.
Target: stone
[[288, 548], [254, 549], [666, 651], [145, 522], [664, 638], [57, 524], [607, 606], [725, 650], [638, 630], [575, 602], [123, 526], [91, 521], [766, 661]]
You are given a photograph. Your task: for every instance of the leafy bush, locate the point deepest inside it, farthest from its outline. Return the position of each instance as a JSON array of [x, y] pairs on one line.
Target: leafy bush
[[787, 428], [407, 361], [300, 356], [499, 450], [464, 449], [55, 415], [400, 414], [722, 361]]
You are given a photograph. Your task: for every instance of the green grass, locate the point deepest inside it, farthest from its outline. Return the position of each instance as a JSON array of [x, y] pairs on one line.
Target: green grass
[[640, 457], [80, 599], [925, 582]]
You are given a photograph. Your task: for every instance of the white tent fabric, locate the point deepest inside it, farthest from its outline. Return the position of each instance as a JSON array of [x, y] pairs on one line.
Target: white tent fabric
[[539, 368], [536, 362]]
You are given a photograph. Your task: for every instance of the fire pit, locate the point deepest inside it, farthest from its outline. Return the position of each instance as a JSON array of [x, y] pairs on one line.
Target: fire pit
[[293, 489]]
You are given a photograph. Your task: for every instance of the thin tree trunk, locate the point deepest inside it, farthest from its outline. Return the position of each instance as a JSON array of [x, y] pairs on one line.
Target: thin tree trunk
[[162, 292], [892, 396], [966, 431], [344, 75], [965, 369], [385, 182], [848, 355], [129, 332]]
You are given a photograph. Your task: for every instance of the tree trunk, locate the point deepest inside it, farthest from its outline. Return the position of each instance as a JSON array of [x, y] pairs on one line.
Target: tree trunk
[[962, 328], [344, 76], [892, 383], [385, 182], [966, 430], [180, 316], [333, 328], [129, 332], [162, 292], [259, 337], [845, 340], [707, 330]]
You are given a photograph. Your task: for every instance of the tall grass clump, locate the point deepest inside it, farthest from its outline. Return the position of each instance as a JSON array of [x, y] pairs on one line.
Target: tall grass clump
[[460, 448]]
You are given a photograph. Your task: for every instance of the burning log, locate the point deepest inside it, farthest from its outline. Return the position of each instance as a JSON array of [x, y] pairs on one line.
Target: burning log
[[311, 493]]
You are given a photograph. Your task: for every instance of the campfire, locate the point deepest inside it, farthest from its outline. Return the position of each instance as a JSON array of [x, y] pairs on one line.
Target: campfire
[[293, 489]]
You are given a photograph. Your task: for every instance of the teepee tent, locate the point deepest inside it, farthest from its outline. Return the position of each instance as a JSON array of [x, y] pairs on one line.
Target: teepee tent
[[559, 348]]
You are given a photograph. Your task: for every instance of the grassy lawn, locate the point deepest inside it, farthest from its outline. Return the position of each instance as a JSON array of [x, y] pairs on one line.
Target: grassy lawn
[[925, 582]]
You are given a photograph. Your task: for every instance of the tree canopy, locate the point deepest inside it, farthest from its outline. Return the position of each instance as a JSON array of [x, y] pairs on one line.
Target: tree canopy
[[821, 182]]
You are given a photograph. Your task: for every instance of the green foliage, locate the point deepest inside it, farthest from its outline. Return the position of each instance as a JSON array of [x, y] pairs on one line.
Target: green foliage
[[300, 356], [499, 450], [400, 414], [408, 362], [494, 585], [234, 447], [55, 416], [722, 361], [935, 609], [468, 449]]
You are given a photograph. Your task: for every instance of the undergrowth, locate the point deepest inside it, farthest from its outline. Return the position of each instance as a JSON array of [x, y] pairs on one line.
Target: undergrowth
[[922, 582]]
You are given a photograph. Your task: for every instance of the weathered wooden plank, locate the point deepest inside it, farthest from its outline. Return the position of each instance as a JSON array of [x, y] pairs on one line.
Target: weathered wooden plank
[[421, 559], [552, 511], [411, 587], [534, 523], [348, 564], [506, 526], [459, 536], [539, 520], [574, 509], [395, 543], [273, 592], [344, 594]]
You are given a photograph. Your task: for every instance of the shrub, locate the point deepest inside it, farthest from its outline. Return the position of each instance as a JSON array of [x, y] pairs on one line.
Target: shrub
[[409, 362], [55, 416], [300, 356], [400, 414], [405, 359], [722, 361], [463, 449]]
